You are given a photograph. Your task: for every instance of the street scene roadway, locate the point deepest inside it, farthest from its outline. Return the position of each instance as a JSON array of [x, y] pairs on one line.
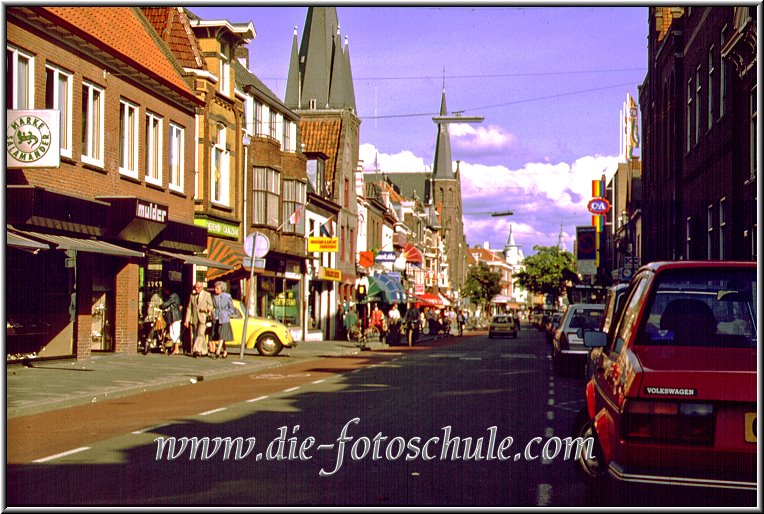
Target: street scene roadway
[[362, 429]]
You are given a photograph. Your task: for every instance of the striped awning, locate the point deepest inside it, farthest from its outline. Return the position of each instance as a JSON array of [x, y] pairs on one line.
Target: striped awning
[[193, 259], [226, 252], [81, 245]]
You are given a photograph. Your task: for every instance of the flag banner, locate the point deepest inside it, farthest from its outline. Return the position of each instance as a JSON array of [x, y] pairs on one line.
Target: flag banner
[[598, 222], [296, 216], [598, 188], [326, 229]]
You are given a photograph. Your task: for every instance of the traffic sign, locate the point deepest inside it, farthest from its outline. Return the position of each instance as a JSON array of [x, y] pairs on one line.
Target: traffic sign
[[257, 243]]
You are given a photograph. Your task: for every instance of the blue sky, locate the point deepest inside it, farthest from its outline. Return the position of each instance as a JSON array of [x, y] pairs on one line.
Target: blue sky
[[550, 82]]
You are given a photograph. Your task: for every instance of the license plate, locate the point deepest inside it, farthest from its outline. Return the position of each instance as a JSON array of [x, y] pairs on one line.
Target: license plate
[[750, 427]]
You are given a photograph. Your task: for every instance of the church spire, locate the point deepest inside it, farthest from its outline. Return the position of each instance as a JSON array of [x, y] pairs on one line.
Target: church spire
[[442, 167]]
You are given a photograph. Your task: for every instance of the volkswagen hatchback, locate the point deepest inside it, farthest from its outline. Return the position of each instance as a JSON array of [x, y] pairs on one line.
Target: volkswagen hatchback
[[269, 337], [672, 398]]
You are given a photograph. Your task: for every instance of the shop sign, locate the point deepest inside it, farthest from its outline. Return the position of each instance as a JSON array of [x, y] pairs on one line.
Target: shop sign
[[418, 288], [386, 257], [598, 206], [323, 244], [330, 274], [218, 228], [151, 211], [32, 138]]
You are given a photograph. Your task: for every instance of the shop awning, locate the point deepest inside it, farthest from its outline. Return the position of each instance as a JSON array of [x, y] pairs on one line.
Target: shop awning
[[429, 300], [500, 298], [226, 252], [384, 288], [412, 254], [22, 243], [193, 259], [82, 245]]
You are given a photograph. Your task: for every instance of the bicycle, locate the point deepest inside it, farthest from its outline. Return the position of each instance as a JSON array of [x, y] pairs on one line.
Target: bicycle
[[357, 335], [157, 336]]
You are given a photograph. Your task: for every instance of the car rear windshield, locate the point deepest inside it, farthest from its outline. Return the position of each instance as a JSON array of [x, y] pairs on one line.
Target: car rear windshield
[[702, 307], [589, 319], [502, 319]]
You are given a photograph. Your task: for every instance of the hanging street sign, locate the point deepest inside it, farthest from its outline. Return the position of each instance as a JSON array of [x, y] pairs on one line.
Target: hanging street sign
[[598, 205]]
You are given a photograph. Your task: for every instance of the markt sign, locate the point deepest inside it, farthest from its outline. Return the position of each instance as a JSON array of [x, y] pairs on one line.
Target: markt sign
[[32, 138]]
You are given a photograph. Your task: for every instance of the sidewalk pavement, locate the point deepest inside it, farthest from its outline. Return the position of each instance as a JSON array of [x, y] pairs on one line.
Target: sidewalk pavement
[[42, 386]]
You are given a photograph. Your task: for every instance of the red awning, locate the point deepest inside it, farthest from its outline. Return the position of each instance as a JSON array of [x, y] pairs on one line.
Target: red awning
[[429, 300], [226, 252], [412, 254]]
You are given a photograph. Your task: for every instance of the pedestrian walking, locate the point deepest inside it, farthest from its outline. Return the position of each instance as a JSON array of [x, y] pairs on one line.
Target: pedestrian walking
[[199, 308], [351, 318], [221, 320], [172, 316], [412, 324], [393, 325], [378, 321]]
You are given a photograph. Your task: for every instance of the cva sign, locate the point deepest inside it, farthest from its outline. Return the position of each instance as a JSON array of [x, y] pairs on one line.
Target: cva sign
[[598, 205]]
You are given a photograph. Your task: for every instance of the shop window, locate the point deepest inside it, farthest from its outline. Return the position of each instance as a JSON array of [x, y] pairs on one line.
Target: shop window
[[281, 300]]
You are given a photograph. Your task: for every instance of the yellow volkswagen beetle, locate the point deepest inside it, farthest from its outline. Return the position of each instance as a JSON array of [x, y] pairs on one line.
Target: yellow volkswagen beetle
[[269, 337]]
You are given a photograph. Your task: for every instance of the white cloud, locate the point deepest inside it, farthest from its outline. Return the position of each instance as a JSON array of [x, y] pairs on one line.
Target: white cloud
[[541, 195], [492, 136], [401, 162]]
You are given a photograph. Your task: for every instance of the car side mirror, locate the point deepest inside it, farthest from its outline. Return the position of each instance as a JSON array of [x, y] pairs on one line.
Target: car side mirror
[[594, 338]]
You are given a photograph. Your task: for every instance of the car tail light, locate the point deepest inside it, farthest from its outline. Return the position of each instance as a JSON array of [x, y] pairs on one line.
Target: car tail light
[[563, 341], [669, 422]]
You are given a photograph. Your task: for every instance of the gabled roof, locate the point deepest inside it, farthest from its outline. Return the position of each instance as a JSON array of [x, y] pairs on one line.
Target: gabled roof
[[249, 82], [323, 136], [407, 183], [171, 23], [489, 257], [133, 42]]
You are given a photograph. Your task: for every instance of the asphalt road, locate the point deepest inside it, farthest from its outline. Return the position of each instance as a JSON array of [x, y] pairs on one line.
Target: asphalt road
[[364, 430]]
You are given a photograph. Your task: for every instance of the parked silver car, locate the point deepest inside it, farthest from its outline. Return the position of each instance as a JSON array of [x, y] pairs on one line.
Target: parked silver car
[[568, 340]]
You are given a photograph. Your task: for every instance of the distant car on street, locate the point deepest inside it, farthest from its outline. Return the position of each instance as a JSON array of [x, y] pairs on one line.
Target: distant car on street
[[552, 325], [269, 337], [673, 396], [502, 324], [568, 344]]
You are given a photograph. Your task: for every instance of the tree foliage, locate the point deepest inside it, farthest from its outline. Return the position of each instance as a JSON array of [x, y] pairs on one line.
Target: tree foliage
[[481, 284], [547, 271]]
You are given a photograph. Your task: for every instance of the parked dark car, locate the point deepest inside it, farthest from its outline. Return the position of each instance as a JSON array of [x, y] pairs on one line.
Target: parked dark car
[[673, 395], [552, 325]]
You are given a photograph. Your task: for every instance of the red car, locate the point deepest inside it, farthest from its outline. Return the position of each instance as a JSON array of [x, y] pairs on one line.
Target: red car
[[673, 399]]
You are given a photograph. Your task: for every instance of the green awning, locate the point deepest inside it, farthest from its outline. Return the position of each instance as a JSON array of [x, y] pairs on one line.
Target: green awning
[[385, 288]]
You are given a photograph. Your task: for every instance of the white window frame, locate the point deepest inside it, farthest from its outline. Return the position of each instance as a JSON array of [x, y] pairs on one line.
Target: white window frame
[[698, 96], [64, 106], [225, 69], [293, 197], [753, 110], [689, 114], [711, 70], [176, 157], [154, 148], [710, 227], [273, 125], [287, 145], [258, 120], [688, 238], [722, 226], [129, 137], [220, 165], [93, 125], [266, 196], [722, 78], [17, 53]]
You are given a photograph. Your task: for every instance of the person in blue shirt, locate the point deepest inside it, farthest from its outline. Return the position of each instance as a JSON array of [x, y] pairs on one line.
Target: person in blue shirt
[[221, 319]]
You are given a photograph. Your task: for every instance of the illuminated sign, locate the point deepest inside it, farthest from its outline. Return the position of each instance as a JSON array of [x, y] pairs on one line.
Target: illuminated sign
[[598, 205]]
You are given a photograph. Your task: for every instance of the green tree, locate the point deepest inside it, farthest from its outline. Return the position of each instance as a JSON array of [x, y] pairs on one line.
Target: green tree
[[547, 271], [482, 284]]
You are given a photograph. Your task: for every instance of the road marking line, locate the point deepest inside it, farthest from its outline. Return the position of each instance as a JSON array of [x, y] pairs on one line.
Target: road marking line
[[291, 389], [213, 411], [150, 429], [356, 370], [549, 415], [551, 392], [548, 432], [550, 401], [64, 454], [257, 399], [543, 495], [317, 381]]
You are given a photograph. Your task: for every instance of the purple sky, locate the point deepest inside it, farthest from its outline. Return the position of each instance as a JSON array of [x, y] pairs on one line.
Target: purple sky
[[550, 82]]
